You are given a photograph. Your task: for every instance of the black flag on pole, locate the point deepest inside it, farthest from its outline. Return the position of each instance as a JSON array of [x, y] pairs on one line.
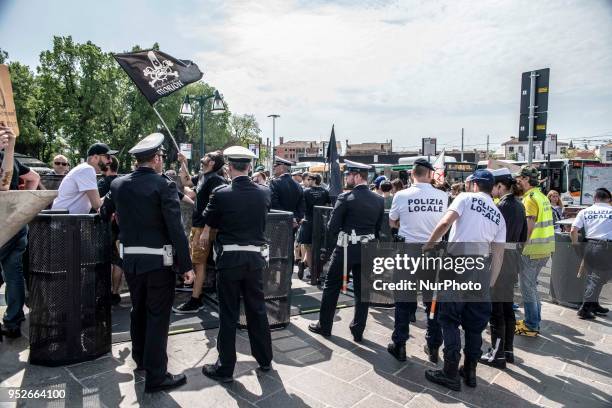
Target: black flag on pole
[[335, 178], [157, 74]]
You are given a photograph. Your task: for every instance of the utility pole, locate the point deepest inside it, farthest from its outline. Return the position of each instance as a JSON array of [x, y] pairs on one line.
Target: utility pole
[[273, 116], [487, 147], [461, 144]]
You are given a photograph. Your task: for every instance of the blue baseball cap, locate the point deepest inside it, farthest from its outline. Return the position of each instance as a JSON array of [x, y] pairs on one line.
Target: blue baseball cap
[[483, 176], [378, 180]]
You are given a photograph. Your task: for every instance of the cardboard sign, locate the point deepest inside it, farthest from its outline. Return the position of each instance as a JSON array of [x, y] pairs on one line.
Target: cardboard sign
[[8, 116]]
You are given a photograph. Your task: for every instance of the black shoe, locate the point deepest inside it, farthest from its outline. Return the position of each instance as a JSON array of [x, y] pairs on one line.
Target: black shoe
[[210, 370], [115, 299], [171, 381], [509, 357], [265, 368], [413, 317], [300, 270], [490, 359], [432, 353], [358, 337], [316, 328], [468, 372], [447, 378], [599, 309], [397, 350], [584, 314], [12, 333], [193, 305]]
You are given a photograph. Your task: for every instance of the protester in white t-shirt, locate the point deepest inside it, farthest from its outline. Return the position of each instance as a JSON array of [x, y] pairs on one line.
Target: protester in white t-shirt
[[78, 192]]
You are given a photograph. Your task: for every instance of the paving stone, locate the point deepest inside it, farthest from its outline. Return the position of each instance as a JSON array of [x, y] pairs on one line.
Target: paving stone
[[254, 386], [415, 373], [375, 355], [328, 389], [388, 386], [334, 364], [589, 388], [94, 367], [528, 383], [289, 398], [433, 399], [376, 401]]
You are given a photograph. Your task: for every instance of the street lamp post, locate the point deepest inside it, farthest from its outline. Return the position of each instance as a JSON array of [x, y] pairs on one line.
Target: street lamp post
[[273, 116], [218, 106]]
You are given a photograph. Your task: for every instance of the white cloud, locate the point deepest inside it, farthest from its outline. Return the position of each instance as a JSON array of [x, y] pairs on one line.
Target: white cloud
[[408, 70]]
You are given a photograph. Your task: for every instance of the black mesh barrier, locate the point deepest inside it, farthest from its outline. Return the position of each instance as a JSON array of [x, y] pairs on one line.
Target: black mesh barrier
[[51, 181], [324, 242], [277, 276], [70, 310]]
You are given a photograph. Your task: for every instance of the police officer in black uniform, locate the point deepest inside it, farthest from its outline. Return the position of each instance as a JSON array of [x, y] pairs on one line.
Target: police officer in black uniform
[[239, 211], [287, 194], [356, 218], [149, 216]]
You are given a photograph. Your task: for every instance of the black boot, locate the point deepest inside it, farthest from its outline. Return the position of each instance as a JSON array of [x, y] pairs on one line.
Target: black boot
[[468, 372], [432, 353], [509, 357], [586, 311], [446, 377], [397, 350], [599, 309], [493, 359], [300, 273]]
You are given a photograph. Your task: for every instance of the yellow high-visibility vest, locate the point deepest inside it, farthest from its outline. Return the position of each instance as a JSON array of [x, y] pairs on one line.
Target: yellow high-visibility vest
[[542, 242]]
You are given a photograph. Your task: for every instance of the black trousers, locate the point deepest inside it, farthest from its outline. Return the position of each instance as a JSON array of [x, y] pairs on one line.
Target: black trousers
[[502, 319], [331, 291], [231, 283], [152, 295], [598, 258]]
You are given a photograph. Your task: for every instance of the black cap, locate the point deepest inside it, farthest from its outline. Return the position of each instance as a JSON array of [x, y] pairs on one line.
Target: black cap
[[100, 148], [424, 163]]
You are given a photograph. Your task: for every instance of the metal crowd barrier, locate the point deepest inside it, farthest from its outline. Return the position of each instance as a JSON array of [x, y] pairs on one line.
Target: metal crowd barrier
[[324, 242], [70, 272]]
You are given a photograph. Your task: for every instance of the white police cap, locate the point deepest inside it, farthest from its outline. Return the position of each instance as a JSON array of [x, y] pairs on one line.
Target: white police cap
[[352, 166], [148, 146], [501, 174], [280, 160], [238, 154]]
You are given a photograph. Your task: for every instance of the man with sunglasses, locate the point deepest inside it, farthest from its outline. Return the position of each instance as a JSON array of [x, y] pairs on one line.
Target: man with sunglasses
[[60, 165], [78, 192]]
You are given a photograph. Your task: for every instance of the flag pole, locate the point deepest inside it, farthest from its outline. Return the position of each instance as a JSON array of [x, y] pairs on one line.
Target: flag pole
[[168, 129]]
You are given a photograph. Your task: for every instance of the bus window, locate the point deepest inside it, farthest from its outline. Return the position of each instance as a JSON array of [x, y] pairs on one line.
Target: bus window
[[574, 179]]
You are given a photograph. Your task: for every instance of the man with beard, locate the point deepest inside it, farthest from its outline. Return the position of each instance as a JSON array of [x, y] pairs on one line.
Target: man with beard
[[78, 192], [356, 219]]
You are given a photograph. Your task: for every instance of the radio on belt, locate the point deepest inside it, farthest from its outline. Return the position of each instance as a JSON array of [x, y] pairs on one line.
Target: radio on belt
[[168, 255]]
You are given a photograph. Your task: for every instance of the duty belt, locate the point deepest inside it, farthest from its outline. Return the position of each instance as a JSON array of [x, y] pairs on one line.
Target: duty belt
[[264, 250], [167, 252], [343, 241]]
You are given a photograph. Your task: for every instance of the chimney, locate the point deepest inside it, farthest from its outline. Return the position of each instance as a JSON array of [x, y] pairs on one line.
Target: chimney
[[281, 139]]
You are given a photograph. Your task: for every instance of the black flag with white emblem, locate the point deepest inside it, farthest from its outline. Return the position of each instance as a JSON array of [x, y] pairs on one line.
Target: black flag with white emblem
[[157, 74]]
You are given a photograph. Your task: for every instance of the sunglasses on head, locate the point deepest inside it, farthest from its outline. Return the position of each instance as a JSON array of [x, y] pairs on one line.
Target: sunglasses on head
[[60, 164]]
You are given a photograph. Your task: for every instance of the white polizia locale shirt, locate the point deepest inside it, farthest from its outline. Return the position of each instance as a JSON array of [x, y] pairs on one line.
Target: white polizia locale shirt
[[596, 220], [479, 219], [418, 209]]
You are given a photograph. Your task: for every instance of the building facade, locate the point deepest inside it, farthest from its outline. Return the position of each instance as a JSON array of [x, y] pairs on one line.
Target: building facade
[[517, 150]]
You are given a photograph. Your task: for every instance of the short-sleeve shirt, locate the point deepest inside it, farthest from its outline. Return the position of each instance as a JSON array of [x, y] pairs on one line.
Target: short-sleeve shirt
[[531, 206], [479, 219], [596, 220], [18, 171], [418, 209], [72, 192]]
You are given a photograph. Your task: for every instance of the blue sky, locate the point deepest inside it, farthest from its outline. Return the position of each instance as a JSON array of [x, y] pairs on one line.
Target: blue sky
[[377, 69]]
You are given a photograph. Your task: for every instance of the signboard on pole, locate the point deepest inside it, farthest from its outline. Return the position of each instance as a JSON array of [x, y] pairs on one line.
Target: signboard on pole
[[186, 149], [550, 144], [8, 115], [429, 146], [540, 104], [254, 147]]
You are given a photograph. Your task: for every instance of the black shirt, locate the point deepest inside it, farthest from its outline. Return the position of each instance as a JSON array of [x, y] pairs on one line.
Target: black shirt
[[18, 170], [316, 195], [206, 184], [287, 195], [104, 184], [514, 214]]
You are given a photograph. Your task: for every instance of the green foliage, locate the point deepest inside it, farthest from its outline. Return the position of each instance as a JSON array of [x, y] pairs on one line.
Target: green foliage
[[79, 95], [3, 56]]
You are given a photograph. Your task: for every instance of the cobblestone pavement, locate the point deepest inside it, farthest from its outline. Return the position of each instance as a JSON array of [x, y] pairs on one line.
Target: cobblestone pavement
[[568, 365]]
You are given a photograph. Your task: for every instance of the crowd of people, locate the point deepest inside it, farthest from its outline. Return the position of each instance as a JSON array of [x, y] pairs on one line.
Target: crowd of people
[[230, 205]]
